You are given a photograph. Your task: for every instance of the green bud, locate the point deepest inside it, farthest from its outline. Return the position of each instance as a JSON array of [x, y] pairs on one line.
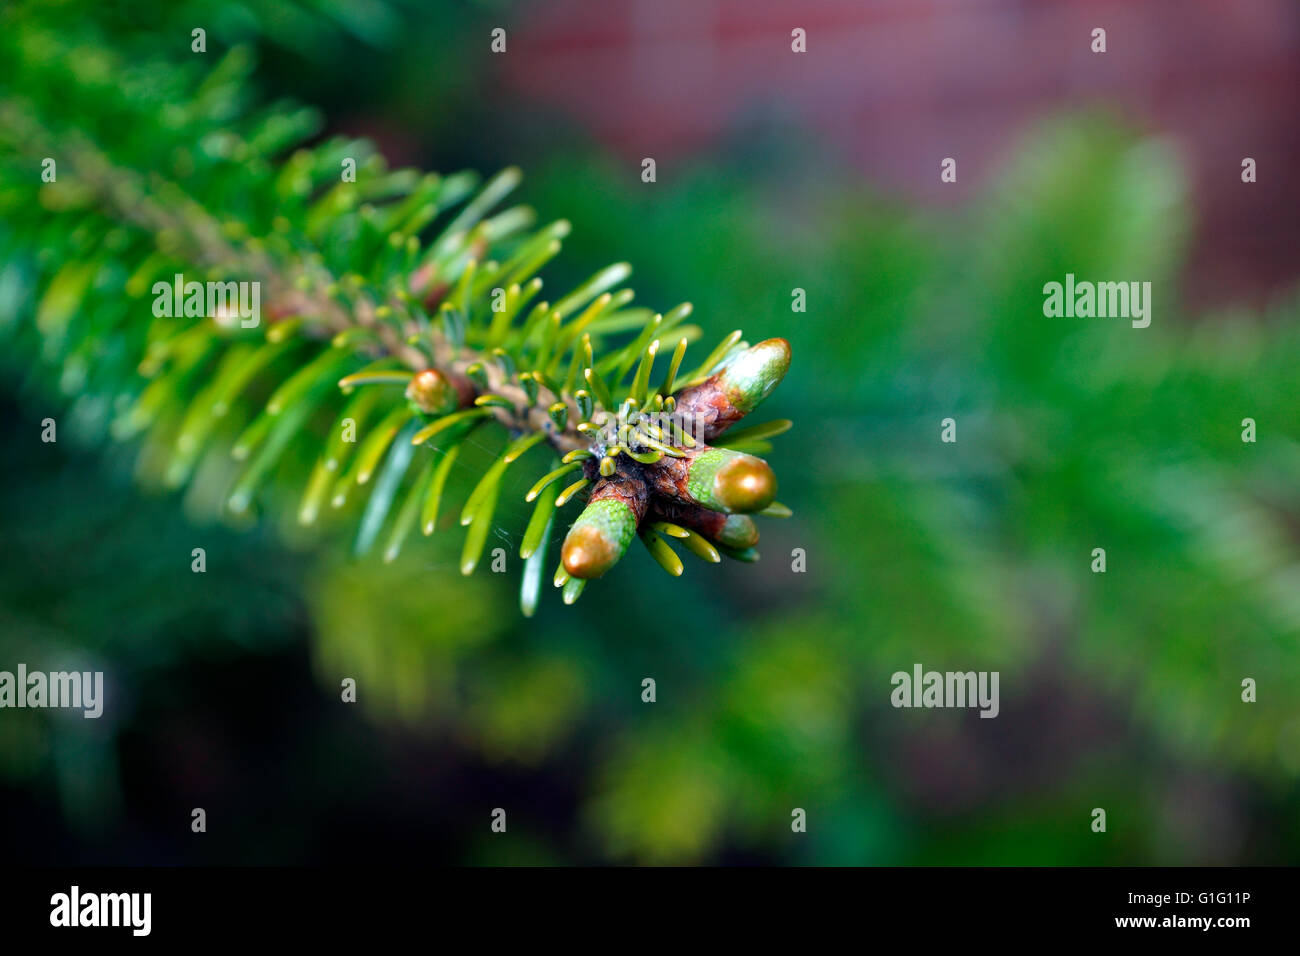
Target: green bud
[[738, 531], [729, 481], [598, 538], [432, 393], [750, 376]]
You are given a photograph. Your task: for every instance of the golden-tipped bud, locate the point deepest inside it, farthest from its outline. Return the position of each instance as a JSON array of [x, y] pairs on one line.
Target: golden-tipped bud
[[729, 481], [598, 538], [431, 392]]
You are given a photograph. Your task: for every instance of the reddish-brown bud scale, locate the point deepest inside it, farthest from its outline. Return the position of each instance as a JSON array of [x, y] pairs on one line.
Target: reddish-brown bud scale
[[735, 531], [736, 389]]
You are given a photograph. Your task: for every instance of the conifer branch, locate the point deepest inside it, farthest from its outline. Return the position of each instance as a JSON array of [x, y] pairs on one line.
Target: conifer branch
[[404, 304]]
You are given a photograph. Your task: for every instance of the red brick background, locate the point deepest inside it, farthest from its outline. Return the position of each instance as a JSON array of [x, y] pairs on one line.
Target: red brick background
[[892, 86]]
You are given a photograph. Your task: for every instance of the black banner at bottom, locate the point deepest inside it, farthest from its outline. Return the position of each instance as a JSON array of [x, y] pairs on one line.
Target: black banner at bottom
[[182, 905]]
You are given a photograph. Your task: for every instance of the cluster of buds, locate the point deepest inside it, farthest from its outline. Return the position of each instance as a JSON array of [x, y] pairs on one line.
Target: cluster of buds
[[674, 482]]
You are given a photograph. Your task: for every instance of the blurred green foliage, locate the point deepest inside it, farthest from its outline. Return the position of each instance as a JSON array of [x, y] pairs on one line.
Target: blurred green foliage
[[1072, 435]]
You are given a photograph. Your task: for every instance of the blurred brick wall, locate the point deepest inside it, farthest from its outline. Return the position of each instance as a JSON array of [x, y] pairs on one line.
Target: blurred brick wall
[[892, 86]]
